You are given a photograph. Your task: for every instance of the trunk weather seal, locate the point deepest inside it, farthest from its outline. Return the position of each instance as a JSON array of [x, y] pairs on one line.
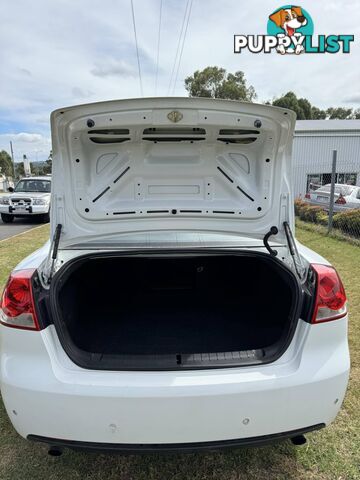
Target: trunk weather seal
[[90, 360]]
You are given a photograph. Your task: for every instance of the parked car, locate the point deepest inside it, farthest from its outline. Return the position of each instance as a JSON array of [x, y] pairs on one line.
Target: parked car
[[30, 198], [346, 197], [173, 309]]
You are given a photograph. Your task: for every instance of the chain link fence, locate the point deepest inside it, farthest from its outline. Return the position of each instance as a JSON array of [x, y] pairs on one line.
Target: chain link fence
[[328, 194]]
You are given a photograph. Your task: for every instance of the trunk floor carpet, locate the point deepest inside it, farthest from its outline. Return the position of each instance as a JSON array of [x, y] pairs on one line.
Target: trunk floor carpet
[[177, 323]]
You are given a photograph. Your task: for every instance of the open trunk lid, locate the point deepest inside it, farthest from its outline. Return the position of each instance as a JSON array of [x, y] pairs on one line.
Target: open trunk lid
[[170, 164]]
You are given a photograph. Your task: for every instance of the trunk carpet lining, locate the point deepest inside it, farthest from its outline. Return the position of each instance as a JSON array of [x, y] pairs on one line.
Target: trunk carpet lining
[[175, 306]]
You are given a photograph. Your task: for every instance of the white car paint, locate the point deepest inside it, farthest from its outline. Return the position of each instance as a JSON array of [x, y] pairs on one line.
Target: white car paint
[[53, 397], [47, 394]]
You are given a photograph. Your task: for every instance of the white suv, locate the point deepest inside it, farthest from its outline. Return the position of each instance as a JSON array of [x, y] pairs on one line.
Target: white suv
[[30, 198], [173, 309]]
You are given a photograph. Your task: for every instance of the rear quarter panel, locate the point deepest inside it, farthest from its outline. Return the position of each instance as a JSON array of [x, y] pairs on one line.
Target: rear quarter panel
[[35, 259], [310, 256]]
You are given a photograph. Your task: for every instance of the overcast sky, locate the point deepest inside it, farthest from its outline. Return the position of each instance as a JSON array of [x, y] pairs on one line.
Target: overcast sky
[[57, 53]]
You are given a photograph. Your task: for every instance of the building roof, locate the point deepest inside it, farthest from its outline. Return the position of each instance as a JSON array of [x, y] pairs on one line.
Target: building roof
[[327, 126]]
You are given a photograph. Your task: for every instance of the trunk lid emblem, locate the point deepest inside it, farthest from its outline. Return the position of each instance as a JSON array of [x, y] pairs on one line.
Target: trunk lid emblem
[[175, 116]]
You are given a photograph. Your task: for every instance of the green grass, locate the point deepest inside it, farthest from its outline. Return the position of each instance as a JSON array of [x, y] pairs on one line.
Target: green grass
[[13, 250], [332, 453], [322, 230]]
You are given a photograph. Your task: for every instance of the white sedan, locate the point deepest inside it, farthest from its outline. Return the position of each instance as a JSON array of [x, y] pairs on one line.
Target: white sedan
[[346, 197], [173, 310]]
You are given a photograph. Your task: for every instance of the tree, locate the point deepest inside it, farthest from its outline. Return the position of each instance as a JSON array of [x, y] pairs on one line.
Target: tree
[[306, 107], [301, 106], [305, 111], [318, 114], [19, 169], [214, 82], [6, 165], [48, 166], [38, 168], [339, 113]]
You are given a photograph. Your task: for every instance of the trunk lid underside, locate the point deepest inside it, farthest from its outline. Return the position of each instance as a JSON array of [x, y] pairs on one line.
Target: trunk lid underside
[[126, 166]]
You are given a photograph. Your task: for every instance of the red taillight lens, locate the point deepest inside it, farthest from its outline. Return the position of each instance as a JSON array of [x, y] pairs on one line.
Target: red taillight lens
[[341, 200], [307, 195], [330, 302], [17, 303]]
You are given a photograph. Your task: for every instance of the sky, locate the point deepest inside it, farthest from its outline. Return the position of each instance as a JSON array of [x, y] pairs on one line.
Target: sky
[[56, 53]]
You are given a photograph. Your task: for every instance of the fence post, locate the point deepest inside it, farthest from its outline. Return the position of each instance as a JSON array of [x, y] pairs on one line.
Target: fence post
[[332, 191]]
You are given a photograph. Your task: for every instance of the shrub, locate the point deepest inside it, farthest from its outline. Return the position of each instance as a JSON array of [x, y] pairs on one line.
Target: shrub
[[322, 218], [348, 222], [298, 205], [309, 213]]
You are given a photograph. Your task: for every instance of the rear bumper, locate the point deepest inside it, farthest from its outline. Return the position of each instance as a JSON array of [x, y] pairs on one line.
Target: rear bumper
[[46, 395], [325, 206], [173, 447]]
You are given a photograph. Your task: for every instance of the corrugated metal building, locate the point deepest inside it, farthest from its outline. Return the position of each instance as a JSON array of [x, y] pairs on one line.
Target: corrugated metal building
[[312, 153]]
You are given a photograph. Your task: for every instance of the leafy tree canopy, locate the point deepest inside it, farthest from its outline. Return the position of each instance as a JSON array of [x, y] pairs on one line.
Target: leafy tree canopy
[[19, 169], [214, 82], [6, 166], [340, 113], [305, 111]]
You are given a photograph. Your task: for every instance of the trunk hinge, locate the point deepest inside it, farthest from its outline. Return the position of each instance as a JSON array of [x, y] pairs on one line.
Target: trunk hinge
[[50, 263], [299, 267], [273, 231]]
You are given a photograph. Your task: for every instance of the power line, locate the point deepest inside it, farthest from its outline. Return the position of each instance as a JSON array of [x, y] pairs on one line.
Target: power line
[[158, 49], [178, 46], [182, 46], [137, 48]]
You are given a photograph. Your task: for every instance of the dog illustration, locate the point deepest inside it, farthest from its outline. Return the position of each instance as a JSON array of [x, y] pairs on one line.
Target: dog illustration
[[289, 19]]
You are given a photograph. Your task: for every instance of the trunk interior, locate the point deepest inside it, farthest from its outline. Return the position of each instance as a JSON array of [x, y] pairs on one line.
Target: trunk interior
[[165, 312]]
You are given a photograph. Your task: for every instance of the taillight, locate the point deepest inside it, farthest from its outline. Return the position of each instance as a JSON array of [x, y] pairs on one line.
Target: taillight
[[341, 200], [307, 195], [17, 303], [330, 302]]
